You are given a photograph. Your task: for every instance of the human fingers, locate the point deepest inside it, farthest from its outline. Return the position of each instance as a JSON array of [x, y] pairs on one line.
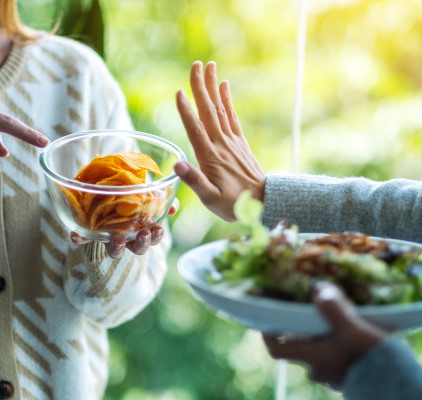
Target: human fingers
[[225, 96], [211, 83], [272, 343], [295, 349], [157, 233], [242, 145], [332, 303], [174, 207], [206, 108], [144, 239], [141, 243], [205, 150], [116, 247], [194, 127], [326, 358], [77, 239], [3, 150], [359, 334], [19, 130], [207, 192]]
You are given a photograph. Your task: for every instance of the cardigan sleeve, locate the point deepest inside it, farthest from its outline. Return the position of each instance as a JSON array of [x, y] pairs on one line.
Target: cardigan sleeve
[[109, 291], [389, 371], [325, 204]]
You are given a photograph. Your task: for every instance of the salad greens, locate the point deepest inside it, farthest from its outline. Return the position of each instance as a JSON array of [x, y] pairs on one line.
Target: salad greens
[[281, 264]]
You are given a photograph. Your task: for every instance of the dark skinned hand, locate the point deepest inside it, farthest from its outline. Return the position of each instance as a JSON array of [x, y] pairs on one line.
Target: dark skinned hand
[[330, 356]]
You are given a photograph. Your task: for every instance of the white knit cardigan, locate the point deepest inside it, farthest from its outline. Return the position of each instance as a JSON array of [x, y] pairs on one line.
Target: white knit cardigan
[[59, 298]]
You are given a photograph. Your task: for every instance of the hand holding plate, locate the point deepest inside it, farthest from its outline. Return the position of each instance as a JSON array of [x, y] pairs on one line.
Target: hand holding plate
[[329, 356]]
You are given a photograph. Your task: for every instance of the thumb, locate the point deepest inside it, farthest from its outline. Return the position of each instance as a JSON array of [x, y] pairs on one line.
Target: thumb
[[195, 179], [359, 334], [335, 307]]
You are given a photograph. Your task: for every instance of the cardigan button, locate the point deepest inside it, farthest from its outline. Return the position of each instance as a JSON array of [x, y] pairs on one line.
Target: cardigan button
[[6, 390], [2, 283]]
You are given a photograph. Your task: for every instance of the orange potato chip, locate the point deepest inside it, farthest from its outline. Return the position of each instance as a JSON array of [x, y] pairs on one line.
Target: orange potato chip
[[152, 207], [98, 208], [116, 213], [125, 224], [87, 199], [121, 178], [108, 209], [105, 167], [127, 205], [96, 170], [102, 221], [137, 162], [127, 209], [116, 220], [73, 199], [123, 227]]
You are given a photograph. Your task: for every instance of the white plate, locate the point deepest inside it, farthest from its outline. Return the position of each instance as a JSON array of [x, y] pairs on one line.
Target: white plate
[[277, 316]]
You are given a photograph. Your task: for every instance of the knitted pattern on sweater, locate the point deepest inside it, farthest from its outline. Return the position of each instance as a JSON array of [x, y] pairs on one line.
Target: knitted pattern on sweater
[[59, 298], [318, 203]]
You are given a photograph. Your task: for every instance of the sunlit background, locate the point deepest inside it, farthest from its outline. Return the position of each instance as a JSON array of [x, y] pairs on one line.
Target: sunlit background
[[362, 116]]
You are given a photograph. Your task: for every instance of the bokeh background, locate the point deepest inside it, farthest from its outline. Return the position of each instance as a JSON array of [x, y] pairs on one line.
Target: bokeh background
[[362, 116]]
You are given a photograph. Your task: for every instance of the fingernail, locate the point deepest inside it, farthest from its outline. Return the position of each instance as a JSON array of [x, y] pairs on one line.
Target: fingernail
[[328, 293], [73, 238], [226, 83], [118, 244], [181, 168], [158, 232], [324, 291], [144, 237], [42, 140], [172, 210]]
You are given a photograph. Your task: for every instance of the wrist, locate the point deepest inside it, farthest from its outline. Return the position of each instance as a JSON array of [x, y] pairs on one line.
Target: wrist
[[258, 192]]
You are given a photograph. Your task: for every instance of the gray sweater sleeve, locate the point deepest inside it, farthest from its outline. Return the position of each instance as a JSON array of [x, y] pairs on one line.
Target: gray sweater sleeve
[[389, 371], [325, 204]]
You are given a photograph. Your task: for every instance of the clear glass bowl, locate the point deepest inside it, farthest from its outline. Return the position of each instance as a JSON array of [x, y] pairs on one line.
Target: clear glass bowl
[[93, 210]]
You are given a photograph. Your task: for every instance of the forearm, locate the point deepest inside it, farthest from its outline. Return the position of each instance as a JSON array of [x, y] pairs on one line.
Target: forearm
[[324, 204]]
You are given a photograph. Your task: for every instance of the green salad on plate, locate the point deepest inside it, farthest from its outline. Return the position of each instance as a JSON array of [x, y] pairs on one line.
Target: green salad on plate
[[283, 263]]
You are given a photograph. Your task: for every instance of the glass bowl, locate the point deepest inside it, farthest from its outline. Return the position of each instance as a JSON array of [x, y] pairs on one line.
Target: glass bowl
[[101, 212]]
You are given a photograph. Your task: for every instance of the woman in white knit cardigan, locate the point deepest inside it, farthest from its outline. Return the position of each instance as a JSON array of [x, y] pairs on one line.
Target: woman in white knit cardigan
[[57, 297]]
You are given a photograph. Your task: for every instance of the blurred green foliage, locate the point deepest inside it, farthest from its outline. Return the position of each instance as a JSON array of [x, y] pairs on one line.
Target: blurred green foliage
[[79, 19], [361, 117]]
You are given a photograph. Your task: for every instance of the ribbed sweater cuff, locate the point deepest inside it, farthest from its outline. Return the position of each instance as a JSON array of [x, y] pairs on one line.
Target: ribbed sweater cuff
[[95, 253]]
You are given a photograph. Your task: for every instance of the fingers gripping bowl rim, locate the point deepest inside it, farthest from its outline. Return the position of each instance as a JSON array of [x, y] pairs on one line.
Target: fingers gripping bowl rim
[[75, 201]]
